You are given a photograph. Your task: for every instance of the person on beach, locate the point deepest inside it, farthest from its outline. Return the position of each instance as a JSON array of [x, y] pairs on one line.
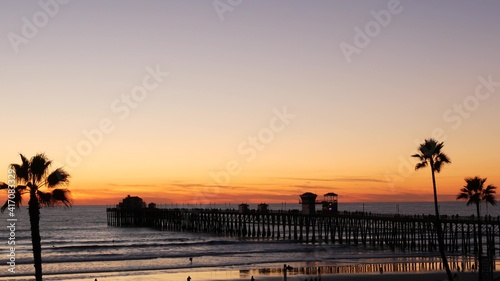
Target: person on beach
[[189, 278], [252, 279]]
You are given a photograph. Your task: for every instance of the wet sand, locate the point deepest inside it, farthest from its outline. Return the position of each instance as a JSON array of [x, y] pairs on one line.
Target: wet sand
[[225, 275]]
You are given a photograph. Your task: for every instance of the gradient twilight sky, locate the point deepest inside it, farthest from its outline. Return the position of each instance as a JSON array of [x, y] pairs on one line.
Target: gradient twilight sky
[[213, 129]]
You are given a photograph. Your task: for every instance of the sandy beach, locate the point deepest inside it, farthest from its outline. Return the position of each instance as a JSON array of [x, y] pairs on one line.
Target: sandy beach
[[224, 275]]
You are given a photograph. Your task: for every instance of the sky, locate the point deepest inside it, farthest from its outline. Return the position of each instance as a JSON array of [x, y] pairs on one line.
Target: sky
[[251, 101]]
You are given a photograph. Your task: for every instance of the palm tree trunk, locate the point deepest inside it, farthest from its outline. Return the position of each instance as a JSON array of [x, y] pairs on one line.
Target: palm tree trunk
[[34, 213], [480, 238], [438, 227]]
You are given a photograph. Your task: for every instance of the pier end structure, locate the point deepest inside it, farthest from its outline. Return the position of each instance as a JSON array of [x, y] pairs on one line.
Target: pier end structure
[[308, 201], [243, 208], [131, 203], [329, 204]]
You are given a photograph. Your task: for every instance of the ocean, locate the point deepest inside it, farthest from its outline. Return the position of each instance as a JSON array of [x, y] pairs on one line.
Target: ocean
[[78, 244]]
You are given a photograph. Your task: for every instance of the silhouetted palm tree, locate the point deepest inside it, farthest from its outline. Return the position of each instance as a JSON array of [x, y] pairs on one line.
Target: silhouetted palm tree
[[475, 193], [31, 176], [429, 154]]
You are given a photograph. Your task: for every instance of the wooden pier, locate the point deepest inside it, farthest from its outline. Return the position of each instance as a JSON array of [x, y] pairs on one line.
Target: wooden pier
[[402, 232]]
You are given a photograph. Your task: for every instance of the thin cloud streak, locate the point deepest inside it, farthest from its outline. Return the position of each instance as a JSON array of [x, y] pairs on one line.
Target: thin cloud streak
[[340, 179], [132, 185]]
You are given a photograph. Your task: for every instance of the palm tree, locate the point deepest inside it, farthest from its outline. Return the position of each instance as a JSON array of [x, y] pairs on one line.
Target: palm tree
[[31, 176], [475, 193], [429, 154]]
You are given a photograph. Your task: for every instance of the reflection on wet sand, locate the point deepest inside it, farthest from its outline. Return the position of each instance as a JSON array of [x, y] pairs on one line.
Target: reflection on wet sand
[[414, 265]]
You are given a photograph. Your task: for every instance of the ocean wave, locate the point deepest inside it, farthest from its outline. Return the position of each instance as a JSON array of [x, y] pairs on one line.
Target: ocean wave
[[245, 250]]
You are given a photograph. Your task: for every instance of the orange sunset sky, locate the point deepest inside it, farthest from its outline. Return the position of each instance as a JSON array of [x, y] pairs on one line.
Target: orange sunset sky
[[251, 101]]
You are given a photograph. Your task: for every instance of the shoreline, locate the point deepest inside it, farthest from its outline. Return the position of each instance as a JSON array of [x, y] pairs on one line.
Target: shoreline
[[395, 263]]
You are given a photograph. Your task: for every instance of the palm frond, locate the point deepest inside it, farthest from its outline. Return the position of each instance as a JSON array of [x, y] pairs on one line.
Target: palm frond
[[490, 199], [21, 189], [24, 159], [6, 186], [440, 159], [57, 177], [430, 152], [55, 197], [61, 196], [437, 166], [429, 148], [45, 198], [489, 195], [477, 182], [420, 157], [32, 175], [463, 195], [22, 171], [18, 200], [420, 165], [4, 206], [475, 192], [438, 146], [469, 180], [490, 189], [38, 166], [443, 158], [474, 199]]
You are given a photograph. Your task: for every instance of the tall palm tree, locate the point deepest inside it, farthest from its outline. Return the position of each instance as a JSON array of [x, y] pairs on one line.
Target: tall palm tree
[[429, 154], [31, 177], [475, 193]]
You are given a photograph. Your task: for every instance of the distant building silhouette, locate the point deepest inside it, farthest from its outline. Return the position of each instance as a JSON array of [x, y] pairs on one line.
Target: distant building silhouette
[[262, 208], [131, 202], [243, 208]]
